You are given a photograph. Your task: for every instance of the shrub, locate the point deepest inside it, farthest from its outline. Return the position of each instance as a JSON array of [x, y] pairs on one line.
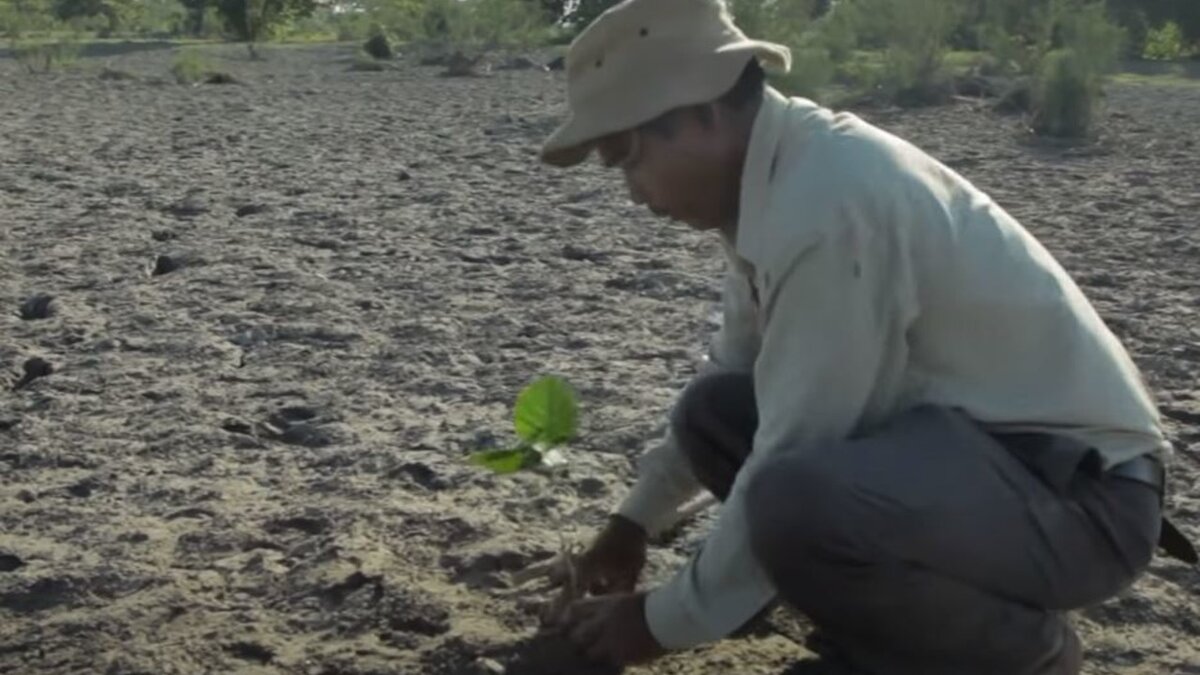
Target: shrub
[[365, 62], [1065, 96], [43, 57], [812, 71], [837, 31], [1165, 43], [1069, 82], [914, 37], [379, 47], [190, 67]]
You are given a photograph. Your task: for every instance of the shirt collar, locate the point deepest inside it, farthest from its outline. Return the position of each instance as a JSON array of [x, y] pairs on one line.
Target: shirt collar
[[758, 171]]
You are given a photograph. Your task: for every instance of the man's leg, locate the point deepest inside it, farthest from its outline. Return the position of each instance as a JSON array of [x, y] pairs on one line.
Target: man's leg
[[927, 548], [714, 425]]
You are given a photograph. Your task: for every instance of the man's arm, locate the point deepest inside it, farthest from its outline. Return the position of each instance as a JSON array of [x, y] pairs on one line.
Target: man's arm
[[665, 480], [828, 318]]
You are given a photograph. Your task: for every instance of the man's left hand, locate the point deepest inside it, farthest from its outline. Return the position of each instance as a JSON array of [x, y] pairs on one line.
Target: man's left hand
[[611, 629]]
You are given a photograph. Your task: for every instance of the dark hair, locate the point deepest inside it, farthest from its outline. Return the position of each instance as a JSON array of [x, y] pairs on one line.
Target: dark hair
[[748, 88]]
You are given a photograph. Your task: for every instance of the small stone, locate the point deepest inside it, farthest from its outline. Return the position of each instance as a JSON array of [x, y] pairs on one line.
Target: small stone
[[251, 210], [486, 666], [34, 368], [165, 264], [379, 47], [40, 306], [591, 488], [9, 562], [188, 207]]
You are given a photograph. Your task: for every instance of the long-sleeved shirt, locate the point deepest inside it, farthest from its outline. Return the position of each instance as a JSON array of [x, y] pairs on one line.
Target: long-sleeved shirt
[[866, 278]]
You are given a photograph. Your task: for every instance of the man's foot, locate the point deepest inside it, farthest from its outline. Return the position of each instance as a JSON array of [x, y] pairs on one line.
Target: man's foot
[[1069, 660]]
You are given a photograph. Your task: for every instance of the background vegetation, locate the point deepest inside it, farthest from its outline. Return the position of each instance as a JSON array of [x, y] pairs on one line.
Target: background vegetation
[[1051, 57]]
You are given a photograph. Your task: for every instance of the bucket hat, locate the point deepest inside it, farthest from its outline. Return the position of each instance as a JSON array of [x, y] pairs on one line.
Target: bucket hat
[[642, 58]]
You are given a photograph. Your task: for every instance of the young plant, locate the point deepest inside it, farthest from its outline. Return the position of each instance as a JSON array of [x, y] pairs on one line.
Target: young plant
[[545, 416]]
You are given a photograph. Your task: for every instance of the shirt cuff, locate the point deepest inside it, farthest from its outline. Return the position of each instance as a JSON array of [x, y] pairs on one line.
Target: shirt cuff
[[651, 504], [671, 623]]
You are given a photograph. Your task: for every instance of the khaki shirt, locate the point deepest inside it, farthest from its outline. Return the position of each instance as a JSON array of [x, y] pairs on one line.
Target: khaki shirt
[[867, 278]]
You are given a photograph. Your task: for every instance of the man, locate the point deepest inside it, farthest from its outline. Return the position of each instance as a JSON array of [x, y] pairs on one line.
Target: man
[[924, 437]]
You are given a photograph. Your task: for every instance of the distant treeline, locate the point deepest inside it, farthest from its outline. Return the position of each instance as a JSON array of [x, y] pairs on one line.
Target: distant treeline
[[1146, 23]]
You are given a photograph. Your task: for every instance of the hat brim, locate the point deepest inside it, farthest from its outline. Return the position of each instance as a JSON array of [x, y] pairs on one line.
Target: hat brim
[[574, 140]]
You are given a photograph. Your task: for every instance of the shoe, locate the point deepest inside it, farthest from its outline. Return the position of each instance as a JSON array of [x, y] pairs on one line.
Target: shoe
[[1069, 659]]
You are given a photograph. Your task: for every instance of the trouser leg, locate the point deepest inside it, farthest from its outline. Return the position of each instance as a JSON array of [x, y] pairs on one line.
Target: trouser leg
[[714, 426], [927, 548]]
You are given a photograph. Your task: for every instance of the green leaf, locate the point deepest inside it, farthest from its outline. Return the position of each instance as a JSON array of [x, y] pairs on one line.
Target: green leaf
[[546, 412], [508, 460]]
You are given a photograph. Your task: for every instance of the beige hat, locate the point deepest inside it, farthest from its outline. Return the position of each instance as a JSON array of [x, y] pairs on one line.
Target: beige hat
[[642, 58]]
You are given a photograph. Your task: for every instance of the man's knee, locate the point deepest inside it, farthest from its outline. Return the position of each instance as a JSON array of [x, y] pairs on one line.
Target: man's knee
[[711, 400], [713, 424], [796, 506]]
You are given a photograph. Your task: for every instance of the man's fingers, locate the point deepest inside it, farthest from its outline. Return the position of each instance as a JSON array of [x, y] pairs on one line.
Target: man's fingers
[[553, 569], [586, 631], [602, 650]]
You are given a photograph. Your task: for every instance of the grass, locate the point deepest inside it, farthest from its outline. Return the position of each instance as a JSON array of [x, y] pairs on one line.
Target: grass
[[1168, 80]]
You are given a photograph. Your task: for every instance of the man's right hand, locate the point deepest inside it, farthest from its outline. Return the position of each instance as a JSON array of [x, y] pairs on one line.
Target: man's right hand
[[613, 562]]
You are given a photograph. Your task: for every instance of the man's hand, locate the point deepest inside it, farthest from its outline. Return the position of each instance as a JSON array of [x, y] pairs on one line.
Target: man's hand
[[613, 562], [611, 629]]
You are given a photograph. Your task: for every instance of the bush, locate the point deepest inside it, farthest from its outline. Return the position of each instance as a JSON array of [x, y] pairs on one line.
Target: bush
[[364, 62], [466, 24], [1070, 80], [190, 67], [1065, 96], [43, 57], [812, 71], [914, 36], [379, 47], [837, 31], [1165, 43]]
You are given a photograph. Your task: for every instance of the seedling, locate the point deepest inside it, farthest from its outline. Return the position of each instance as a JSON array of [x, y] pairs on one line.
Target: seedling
[[546, 415]]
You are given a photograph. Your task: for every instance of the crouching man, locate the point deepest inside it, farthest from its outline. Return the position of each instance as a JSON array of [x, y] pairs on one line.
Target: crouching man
[[923, 435]]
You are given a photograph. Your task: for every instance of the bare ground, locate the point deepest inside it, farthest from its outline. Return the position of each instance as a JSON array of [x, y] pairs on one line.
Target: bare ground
[[253, 462]]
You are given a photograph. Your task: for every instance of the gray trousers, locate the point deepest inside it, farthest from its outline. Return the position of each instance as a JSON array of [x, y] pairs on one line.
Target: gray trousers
[[928, 547]]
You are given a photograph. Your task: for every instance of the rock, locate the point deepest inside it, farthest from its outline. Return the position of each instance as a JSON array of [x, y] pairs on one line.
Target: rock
[[115, 75], [421, 474], [486, 666], [460, 65], [521, 63], [251, 651], [9, 562], [84, 488], [251, 210], [172, 262], [188, 207], [591, 488], [33, 369], [40, 306], [379, 47], [163, 235], [221, 78]]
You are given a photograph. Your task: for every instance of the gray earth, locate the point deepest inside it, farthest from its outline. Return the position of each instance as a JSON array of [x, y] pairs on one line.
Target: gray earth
[[284, 310]]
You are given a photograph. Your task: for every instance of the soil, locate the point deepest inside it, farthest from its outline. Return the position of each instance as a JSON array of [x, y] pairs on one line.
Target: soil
[[282, 311]]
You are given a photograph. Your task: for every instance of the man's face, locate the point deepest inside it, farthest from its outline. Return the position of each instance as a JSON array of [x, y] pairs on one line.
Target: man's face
[[685, 174]]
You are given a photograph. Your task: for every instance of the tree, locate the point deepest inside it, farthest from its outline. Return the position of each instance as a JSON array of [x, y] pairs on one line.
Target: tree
[[248, 20]]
